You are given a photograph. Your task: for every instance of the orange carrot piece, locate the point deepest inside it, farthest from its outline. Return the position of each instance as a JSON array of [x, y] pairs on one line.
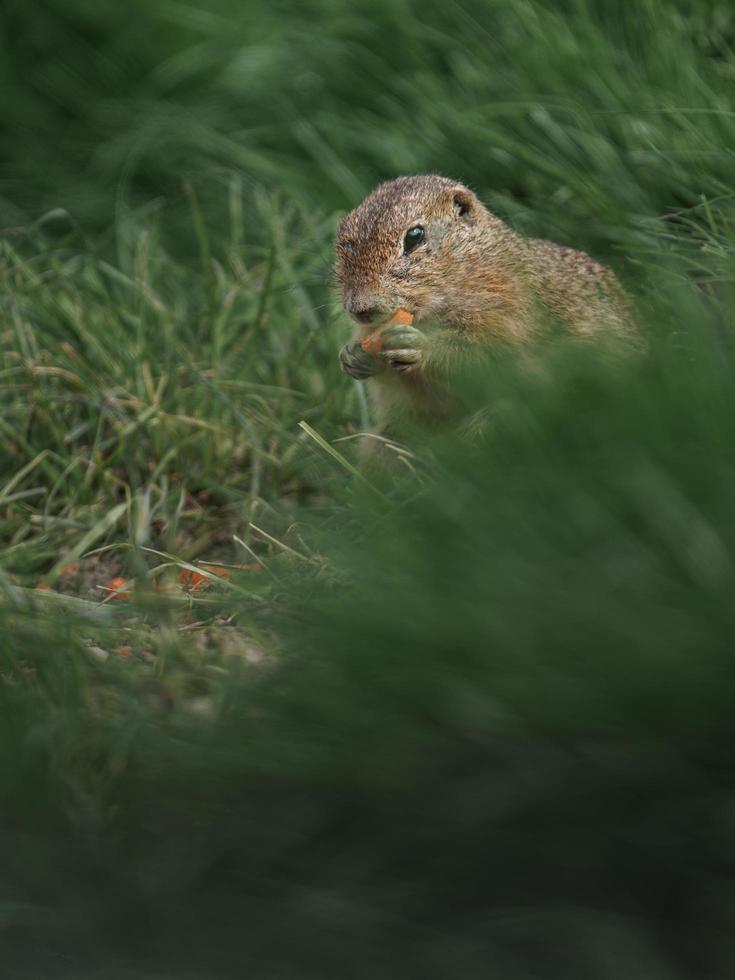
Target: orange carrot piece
[[373, 343], [119, 589]]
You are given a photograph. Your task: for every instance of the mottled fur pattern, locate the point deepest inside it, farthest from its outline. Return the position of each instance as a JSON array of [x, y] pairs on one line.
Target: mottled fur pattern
[[472, 283]]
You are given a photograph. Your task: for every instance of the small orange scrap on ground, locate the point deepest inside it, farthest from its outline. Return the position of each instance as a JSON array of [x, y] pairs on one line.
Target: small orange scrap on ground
[[373, 343], [195, 581], [120, 589]]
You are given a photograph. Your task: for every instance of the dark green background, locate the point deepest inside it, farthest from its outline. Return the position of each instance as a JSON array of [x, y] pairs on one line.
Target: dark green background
[[595, 115], [498, 741]]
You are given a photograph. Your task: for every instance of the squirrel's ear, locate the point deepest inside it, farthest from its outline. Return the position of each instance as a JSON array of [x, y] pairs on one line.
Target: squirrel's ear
[[464, 202]]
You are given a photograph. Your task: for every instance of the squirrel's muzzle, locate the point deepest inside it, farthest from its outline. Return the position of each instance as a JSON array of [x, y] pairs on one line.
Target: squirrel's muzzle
[[360, 306]]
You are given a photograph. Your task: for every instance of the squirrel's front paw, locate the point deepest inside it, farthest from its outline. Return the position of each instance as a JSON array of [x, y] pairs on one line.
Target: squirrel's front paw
[[358, 363], [403, 348]]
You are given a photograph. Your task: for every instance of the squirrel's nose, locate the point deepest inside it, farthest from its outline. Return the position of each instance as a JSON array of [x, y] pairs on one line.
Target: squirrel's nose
[[360, 307], [366, 316]]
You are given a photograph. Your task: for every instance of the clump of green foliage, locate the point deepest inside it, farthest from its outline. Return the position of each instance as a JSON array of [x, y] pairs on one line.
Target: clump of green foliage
[[469, 719]]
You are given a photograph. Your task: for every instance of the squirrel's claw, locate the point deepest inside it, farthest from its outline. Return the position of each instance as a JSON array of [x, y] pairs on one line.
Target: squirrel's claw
[[403, 348], [358, 363], [401, 337], [404, 360]]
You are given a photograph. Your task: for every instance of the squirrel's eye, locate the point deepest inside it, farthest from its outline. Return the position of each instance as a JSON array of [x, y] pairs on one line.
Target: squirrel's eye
[[414, 237]]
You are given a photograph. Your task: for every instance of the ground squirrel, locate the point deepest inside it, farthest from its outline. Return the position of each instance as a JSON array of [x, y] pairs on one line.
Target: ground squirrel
[[428, 245]]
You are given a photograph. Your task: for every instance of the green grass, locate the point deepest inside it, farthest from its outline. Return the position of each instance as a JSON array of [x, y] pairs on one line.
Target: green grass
[[471, 719], [141, 379]]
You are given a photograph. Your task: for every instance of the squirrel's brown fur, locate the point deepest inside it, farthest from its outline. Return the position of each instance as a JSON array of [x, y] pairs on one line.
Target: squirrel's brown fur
[[472, 283]]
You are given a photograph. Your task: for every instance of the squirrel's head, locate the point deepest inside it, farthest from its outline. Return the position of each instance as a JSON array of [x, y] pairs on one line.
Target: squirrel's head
[[400, 246]]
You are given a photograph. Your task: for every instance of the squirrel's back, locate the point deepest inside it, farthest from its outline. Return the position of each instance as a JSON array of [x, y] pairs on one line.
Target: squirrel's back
[[577, 289]]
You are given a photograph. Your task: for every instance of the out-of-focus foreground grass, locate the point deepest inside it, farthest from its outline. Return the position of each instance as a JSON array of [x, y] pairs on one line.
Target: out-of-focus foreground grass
[[473, 720]]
